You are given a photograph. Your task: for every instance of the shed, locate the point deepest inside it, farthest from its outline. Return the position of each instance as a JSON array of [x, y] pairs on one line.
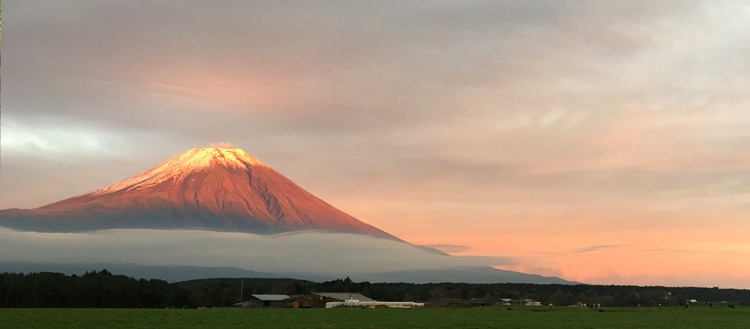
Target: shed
[[268, 301]]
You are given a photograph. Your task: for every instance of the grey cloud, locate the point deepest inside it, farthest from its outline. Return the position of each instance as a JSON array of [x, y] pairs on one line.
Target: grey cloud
[[309, 252], [391, 54], [596, 248], [449, 248]]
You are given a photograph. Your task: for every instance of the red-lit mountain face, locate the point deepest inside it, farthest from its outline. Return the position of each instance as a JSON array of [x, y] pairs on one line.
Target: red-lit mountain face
[[204, 188]]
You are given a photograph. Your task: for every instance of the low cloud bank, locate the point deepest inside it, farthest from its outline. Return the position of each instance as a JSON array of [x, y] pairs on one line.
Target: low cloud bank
[[314, 253]]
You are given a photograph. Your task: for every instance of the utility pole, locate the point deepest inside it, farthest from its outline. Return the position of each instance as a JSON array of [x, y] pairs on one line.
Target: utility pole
[[242, 291]]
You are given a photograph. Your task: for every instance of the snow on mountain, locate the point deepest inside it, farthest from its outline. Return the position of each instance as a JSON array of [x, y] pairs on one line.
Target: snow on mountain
[[178, 167]]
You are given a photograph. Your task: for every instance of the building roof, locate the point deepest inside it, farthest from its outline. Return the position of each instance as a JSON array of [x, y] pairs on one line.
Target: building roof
[[270, 298], [344, 296]]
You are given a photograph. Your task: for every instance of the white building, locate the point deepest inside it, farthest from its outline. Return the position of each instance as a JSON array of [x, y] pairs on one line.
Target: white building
[[373, 304]]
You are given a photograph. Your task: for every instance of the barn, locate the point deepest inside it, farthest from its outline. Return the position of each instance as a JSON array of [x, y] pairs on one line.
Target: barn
[[268, 301]]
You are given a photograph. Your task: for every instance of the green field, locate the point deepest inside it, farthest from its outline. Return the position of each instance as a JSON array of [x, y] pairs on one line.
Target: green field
[[694, 317]]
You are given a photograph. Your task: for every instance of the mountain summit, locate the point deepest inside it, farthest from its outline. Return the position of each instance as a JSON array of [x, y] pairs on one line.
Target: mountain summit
[[203, 188]]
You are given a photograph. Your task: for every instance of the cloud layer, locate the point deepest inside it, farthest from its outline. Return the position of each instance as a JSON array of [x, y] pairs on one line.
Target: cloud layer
[[313, 253]]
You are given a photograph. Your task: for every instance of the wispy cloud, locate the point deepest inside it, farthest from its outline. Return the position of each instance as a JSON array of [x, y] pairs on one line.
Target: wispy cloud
[[450, 248], [595, 248]]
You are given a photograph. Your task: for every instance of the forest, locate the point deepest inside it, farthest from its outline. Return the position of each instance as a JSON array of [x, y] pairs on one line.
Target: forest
[[102, 289]]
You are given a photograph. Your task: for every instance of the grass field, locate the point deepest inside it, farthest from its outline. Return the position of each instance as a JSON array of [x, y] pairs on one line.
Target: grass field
[[694, 317]]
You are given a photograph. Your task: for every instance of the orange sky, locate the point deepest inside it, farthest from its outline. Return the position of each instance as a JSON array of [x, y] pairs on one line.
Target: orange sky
[[588, 248]]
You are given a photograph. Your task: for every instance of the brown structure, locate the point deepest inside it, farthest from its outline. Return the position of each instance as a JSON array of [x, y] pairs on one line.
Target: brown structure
[[307, 301], [268, 301]]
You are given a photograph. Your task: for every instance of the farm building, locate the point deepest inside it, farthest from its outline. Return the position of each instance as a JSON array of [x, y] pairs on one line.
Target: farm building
[[353, 299], [356, 303], [313, 300], [268, 301], [531, 302], [342, 296], [307, 301]]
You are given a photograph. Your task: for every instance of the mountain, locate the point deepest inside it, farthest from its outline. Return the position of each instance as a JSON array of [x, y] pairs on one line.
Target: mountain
[[204, 188], [214, 212]]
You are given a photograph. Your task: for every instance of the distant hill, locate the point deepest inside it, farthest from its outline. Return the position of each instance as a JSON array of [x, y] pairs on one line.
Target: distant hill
[[166, 273], [464, 274], [185, 273]]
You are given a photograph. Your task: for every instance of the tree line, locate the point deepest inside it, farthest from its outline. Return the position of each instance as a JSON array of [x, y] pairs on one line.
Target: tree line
[[106, 290], [90, 290]]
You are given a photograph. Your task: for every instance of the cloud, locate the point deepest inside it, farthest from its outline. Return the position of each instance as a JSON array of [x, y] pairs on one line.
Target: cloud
[[313, 253], [595, 248], [450, 248]]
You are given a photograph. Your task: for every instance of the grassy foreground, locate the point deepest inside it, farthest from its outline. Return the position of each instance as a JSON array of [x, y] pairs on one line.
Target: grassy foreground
[[695, 317]]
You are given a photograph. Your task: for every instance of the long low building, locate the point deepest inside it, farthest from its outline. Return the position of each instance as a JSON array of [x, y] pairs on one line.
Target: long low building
[[342, 296], [320, 299], [372, 304], [353, 299]]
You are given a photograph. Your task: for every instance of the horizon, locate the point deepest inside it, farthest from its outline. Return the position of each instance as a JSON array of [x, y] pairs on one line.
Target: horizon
[[604, 143]]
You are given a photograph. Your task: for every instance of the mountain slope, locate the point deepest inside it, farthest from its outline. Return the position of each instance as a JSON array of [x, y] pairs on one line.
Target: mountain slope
[[203, 188]]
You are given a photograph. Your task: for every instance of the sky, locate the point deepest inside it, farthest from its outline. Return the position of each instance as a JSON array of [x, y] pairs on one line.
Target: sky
[[598, 141]]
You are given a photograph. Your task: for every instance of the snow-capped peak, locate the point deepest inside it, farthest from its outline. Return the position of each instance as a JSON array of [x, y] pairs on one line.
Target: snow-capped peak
[[201, 157], [183, 164]]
